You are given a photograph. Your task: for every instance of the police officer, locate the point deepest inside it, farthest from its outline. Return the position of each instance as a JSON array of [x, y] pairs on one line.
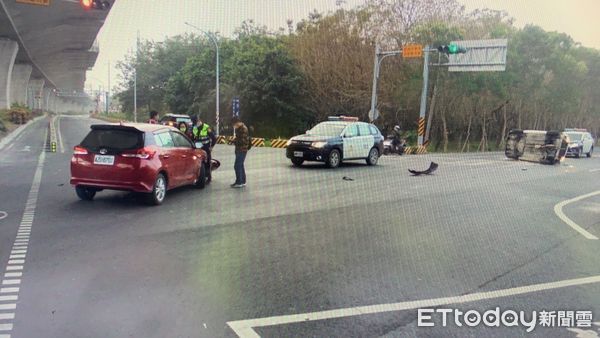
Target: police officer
[[202, 133]]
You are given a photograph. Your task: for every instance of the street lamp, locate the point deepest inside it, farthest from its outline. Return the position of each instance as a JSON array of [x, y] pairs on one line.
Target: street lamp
[[212, 38]]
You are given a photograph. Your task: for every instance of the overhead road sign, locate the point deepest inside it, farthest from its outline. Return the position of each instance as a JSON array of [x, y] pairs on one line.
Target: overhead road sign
[[480, 55]]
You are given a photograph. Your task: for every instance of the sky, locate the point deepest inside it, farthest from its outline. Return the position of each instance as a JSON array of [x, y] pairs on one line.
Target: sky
[[156, 19]]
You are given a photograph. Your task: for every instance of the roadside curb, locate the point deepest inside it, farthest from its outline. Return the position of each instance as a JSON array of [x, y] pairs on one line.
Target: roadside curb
[[13, 134]]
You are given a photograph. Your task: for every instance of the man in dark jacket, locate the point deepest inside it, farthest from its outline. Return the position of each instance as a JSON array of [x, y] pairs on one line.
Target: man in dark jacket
[[242, 145]]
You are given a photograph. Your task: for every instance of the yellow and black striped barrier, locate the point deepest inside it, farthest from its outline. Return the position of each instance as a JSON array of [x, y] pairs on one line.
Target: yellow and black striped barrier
[[279, 143], [417, 150], [258, 142], [421, 128]]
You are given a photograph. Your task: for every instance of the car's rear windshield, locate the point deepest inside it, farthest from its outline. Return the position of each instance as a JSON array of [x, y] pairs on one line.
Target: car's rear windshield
[[113, 140]]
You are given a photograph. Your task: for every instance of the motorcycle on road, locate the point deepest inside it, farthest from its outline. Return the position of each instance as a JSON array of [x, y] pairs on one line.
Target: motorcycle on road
[[390, 148]]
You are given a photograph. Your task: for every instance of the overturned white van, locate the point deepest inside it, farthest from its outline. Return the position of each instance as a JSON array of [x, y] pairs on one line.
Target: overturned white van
[[548, 147]]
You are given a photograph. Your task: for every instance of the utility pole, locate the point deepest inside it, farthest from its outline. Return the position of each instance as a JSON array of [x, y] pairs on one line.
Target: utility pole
[[372, 115], [137, 47], [379, 56], [108, 90], [213, 38]]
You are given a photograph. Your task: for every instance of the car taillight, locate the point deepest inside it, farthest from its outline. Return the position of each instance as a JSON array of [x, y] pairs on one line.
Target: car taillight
[[144, 153], [77, 150]]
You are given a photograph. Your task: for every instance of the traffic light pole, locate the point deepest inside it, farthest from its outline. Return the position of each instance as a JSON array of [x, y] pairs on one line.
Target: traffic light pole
[[421, 129]]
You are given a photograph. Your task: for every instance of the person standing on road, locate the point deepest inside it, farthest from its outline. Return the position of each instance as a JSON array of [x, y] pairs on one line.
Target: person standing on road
[[242, 145], [205, 138], [153, 117]]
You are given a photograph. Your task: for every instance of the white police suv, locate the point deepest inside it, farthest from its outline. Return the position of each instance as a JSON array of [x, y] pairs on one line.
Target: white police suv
[[339, 139], [581, 142]]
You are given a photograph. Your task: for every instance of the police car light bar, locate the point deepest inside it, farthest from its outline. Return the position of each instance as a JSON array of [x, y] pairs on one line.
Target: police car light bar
[[343, 118]]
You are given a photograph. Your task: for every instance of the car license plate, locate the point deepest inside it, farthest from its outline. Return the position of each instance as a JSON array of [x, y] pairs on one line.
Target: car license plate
[[104, 159], [298, 154]]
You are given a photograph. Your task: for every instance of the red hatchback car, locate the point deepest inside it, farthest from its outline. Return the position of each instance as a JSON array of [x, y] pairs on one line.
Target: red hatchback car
[[147, 158]]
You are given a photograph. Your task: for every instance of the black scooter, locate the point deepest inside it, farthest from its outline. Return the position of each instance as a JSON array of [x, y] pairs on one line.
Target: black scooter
[[390, 148]]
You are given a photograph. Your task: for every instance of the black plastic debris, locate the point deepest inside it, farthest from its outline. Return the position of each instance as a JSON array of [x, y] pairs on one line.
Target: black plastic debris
[[346, 178], [432, 167]]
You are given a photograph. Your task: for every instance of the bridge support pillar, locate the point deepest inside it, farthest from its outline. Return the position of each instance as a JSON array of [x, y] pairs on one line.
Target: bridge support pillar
[[8, 53], [36, 89], [19, 82]]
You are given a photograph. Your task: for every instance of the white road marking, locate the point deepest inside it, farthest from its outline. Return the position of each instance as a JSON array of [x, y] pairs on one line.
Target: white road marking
[[11, 282], [14, 267], [7, 298], [9, 290], [13, 272], [3, 214], [558, 211], [5, 316], [245, 328], [594, 170]]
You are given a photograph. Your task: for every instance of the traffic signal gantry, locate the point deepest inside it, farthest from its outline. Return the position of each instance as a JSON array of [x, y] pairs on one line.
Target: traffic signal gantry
[[479, 56], [411, 51]]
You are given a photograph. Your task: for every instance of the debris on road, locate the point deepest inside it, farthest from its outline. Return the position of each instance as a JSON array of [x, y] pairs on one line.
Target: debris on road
[[432, 167], [346, 178]]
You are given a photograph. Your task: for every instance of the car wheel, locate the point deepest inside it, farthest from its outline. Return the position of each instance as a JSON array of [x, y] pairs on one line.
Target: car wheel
[[590, 153], [373, 156], [159, 191], [334, 159], [85, 193], [201, 180], [297, 161]]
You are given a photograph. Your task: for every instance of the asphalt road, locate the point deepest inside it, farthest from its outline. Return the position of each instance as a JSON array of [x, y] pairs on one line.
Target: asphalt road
[[298, 241]]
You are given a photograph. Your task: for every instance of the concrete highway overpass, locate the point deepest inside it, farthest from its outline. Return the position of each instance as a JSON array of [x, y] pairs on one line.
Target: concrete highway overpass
[[45, 51]]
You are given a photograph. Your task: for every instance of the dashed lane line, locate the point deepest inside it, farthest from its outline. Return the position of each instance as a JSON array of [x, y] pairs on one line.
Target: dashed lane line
[[13, 274], [245, 328], [559, 212]]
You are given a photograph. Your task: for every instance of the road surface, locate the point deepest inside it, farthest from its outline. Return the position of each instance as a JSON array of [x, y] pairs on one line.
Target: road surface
[[295, 241]]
